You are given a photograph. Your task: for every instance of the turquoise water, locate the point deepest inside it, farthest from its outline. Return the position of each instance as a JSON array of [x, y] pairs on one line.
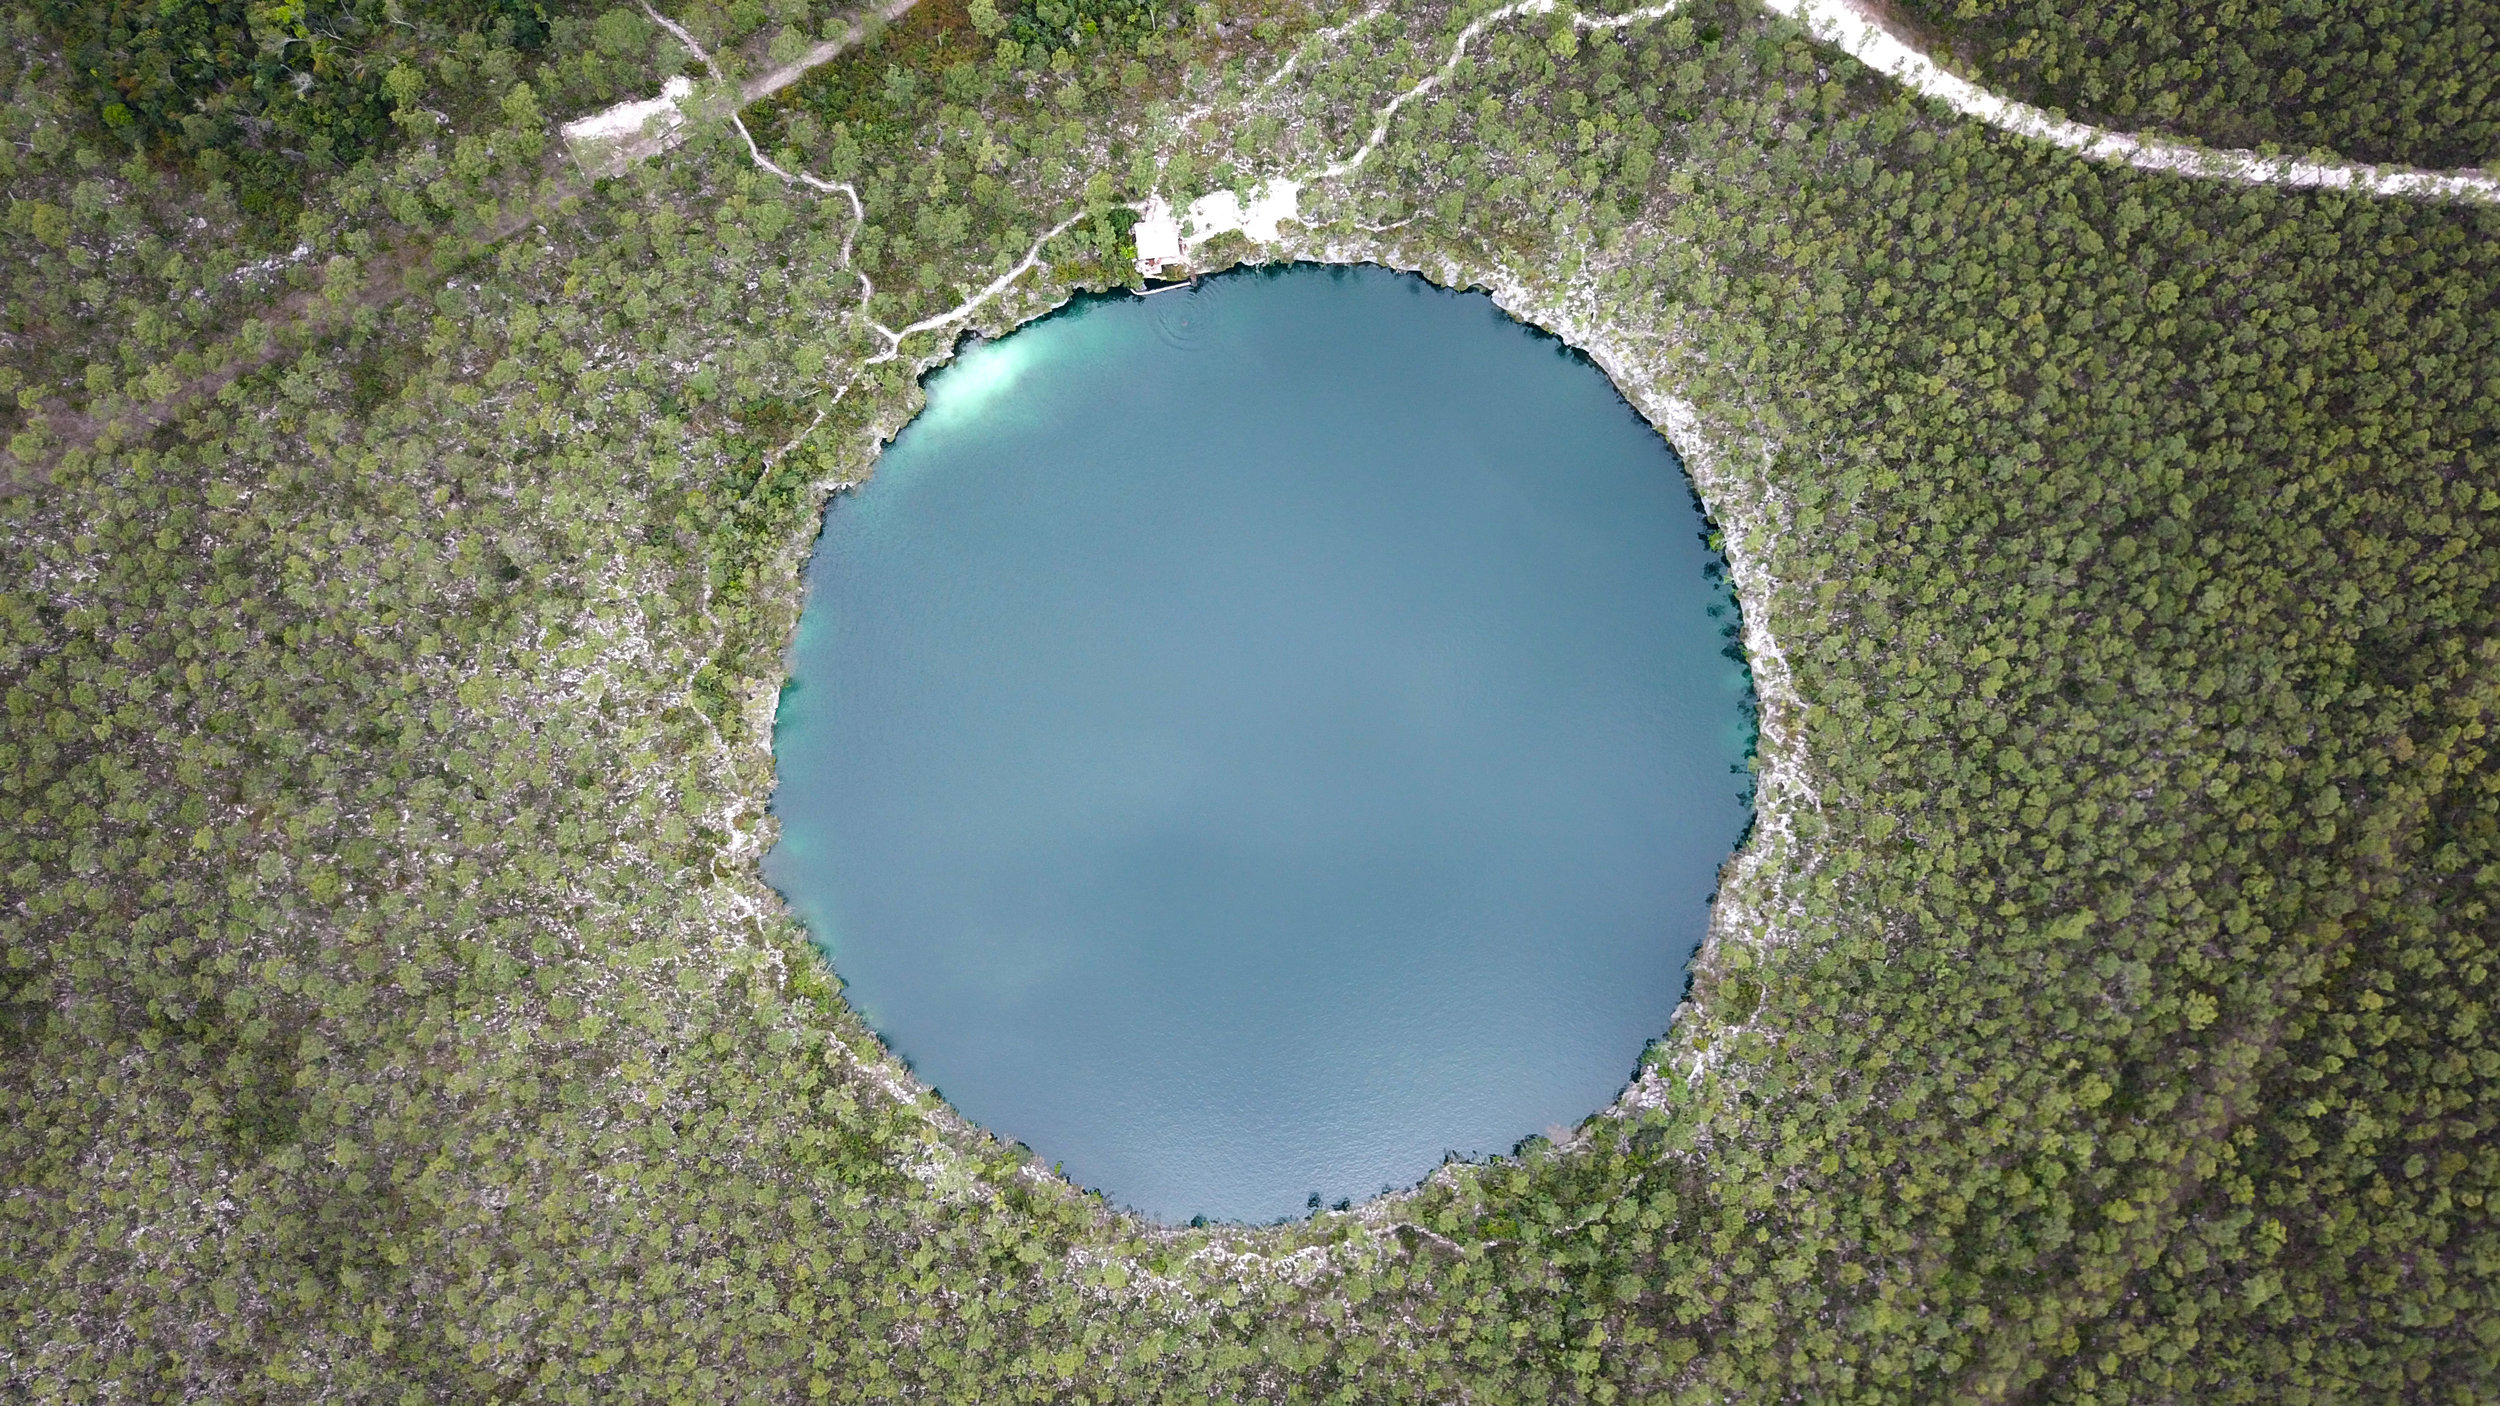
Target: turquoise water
[[1249, 742]]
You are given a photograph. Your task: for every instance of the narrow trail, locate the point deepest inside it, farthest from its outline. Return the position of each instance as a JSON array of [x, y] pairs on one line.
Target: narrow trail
[[772, 81], [1843, 24], [1846, 26], [1458, 51], [608, 141], [867, 288], [1840, 23], [894, 337], [1849, 27]]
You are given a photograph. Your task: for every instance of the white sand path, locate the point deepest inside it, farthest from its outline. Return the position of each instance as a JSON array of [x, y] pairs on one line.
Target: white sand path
[[1835, 22], [1841, 24], [630, 130], [607, 140], [1845, 26]]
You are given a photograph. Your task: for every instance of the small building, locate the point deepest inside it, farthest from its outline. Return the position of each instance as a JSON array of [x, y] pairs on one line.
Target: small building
[[1158, 238]]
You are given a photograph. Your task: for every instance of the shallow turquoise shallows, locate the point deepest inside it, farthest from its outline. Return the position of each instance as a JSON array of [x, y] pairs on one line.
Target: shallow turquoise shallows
[[1248, 742]]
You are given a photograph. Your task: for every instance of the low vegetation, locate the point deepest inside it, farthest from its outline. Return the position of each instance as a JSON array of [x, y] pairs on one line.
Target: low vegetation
[[391, 1008]]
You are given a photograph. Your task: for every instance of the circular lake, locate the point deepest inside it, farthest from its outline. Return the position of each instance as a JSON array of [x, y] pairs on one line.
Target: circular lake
[[1249, 742]]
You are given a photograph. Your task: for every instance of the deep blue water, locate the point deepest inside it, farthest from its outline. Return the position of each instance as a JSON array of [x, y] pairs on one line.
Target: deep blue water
[[1250, 741]]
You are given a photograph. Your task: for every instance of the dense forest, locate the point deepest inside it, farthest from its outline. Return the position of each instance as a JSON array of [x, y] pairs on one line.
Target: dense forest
[[272, 98], [395, 601], [2415, 83]]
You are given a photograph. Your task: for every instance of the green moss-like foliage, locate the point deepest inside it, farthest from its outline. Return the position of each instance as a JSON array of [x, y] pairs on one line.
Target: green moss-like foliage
[[275, 97], [2416, 83], [388, 1004]]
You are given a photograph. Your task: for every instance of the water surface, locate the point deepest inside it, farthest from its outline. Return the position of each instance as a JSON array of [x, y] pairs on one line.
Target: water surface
[[1250, 742]]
